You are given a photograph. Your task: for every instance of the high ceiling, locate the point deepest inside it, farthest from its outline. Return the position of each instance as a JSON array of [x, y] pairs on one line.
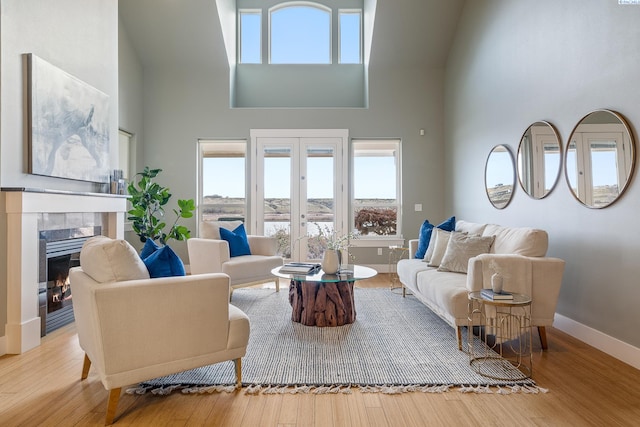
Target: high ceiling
[[177, 33]]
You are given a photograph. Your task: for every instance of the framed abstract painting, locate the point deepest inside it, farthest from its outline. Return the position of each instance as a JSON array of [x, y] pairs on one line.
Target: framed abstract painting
[[68, 125]]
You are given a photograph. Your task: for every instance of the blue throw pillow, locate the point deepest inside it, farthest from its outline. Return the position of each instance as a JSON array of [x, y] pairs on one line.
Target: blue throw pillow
[[238, 243], [164, 263], [424, 237], [425, 234], [149, 247]]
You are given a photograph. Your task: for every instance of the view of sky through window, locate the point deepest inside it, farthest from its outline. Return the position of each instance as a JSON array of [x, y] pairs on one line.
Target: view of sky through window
[[250, 29], [300, 35], [350, 38]]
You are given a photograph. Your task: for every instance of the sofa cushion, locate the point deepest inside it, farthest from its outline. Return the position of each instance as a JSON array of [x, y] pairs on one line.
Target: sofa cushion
[[249, 268], [461, 248], [237, 239], [149, 247], [164, 263], [211, 229], [518, 240], [108, 260], [408, 270], [470, 227], [440, 247], [423, 238], [446, 292]]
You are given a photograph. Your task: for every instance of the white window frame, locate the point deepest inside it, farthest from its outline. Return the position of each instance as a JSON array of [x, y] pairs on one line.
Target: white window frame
[[394, 144], [360, 37], [319, 6], [206, 146], [239, 33]]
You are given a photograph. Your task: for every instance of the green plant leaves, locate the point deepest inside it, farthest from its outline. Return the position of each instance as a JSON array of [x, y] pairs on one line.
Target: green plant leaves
[[147, 201]]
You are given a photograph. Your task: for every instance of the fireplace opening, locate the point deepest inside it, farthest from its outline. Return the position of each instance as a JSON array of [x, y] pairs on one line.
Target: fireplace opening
[[59, 251]]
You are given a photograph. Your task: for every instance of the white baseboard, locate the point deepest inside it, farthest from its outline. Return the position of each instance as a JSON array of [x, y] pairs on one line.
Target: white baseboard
[[380, 268], [603, 342]]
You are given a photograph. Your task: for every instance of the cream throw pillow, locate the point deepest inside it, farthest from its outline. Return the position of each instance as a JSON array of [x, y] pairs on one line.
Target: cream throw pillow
[[432, 244], [462, 247], [211, 229], [439, 246], [108, 260]]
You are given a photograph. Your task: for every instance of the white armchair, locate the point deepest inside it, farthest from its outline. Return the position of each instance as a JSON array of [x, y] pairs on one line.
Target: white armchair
[[133, 328], [210, 254]]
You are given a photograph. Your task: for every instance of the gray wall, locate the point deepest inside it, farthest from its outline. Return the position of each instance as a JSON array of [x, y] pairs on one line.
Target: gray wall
[[514, 63], [77, 36], [184, 104]]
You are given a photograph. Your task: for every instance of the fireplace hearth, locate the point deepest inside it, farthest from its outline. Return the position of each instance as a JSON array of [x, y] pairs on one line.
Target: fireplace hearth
[[59, 251]]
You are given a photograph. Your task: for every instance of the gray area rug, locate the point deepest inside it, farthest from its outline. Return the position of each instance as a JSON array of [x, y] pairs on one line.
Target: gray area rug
[[395, 345]]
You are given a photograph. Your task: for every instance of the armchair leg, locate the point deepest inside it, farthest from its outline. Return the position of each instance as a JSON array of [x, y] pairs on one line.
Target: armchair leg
[[85, 367], [277, 284], [112, 404], [459, 336], [238, 363], [542, 332]]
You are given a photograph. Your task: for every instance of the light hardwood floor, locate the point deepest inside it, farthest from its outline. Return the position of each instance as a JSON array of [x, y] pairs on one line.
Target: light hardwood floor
[[586, 388]]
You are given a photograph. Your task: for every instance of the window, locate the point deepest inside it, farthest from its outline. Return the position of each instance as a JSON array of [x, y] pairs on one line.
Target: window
[[250, 40], [300, 34], [222, 188], [376, 187], [350, 31]]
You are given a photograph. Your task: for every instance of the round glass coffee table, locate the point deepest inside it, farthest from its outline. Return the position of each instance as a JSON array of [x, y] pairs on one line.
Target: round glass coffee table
[[322, 299]]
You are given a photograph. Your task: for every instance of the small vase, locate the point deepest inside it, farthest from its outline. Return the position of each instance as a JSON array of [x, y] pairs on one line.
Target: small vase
[[496, 283], [331, 261]]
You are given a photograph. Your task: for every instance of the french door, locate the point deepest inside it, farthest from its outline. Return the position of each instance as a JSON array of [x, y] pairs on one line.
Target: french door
[[300, 189]]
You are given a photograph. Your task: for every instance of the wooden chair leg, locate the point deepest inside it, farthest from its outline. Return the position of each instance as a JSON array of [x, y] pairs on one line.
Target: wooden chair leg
[[542, 332], [85, 367], [112, 404], [277, 284], [238, 363], [459, 336]]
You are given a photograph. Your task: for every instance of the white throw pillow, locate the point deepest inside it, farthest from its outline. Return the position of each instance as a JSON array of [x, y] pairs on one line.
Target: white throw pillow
[[439, 247], [211, 229], [108, 260], [461, 248]]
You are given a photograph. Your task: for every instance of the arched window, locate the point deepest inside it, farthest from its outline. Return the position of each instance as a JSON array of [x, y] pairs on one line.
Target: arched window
[[300, 33]]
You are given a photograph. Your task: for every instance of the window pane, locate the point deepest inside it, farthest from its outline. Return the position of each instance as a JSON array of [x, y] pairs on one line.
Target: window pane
[[375, 188], [250, 37], [300, 35], [350, 38], [222, 189]]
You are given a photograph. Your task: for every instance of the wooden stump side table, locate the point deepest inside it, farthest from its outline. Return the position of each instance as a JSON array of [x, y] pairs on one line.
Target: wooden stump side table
[[325, 299]]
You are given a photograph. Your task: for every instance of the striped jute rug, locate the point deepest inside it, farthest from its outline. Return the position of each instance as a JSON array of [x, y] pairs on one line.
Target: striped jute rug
[[395, 345]]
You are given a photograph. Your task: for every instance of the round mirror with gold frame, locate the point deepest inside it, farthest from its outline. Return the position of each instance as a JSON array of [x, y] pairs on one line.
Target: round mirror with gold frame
[[539, 155], [499, 176], [600, 158]]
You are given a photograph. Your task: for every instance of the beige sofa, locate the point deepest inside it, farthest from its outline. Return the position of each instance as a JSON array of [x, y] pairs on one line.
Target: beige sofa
[[519, 252]]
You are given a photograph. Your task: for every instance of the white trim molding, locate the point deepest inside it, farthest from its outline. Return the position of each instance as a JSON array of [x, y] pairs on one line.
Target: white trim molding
[[603, 342]]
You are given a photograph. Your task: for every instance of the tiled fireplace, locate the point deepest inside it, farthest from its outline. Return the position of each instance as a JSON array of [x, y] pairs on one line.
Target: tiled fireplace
[[30, 214]]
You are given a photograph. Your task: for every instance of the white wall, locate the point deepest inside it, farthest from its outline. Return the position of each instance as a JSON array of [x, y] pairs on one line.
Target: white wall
[[77, 36], [517, 62], [81, 38]]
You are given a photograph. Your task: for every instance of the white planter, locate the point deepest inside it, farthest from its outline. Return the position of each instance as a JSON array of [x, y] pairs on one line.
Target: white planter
[[331, 261]]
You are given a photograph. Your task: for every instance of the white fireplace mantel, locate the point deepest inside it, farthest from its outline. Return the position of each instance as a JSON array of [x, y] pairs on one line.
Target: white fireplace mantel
[[22, 207]]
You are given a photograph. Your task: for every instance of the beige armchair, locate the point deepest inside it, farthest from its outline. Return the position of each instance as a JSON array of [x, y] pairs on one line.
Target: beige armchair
[[210, 254], [133, 328]]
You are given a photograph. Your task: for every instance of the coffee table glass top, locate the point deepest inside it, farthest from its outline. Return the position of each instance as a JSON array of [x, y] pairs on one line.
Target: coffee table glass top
[[347, 273]]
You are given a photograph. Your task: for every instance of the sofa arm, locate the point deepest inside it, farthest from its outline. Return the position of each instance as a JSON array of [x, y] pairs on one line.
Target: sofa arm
[[207, 255], [538, 277], [135, 329], [413, 247], [262, 245]]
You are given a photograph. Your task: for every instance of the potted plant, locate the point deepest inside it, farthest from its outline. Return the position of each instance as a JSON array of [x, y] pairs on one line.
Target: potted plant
[[334, 244], [148, 199]]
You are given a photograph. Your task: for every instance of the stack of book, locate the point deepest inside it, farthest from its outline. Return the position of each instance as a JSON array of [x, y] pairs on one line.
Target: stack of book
[[300, 268], [489, 294]]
